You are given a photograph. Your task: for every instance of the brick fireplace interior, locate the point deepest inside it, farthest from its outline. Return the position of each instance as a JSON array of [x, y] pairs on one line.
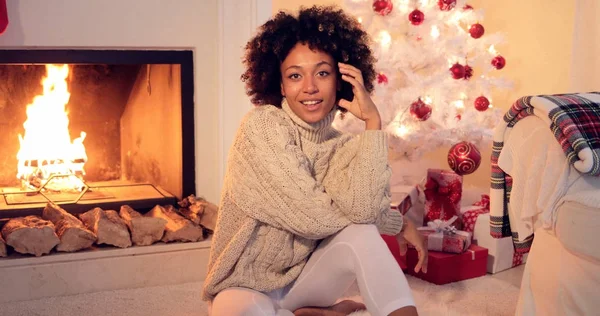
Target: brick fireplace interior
[[136, 109]]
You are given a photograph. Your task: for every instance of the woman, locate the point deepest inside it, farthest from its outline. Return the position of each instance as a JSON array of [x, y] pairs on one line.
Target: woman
[[303, 205]]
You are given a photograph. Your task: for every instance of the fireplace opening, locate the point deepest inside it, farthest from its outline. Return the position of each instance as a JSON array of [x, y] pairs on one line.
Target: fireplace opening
[[95, 128]]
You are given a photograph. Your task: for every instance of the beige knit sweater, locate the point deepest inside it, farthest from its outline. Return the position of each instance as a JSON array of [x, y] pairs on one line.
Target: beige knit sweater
[[289, 184]]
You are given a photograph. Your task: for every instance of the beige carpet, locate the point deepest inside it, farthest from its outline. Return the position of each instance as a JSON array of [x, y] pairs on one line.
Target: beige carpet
[[490, 295]]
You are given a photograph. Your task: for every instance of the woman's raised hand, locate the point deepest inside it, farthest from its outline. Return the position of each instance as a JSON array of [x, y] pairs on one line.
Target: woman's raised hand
[[361, 105]]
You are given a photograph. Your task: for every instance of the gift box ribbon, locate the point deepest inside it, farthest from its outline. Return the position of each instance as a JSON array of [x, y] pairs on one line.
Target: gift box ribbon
[[442, 197], [442, 228]]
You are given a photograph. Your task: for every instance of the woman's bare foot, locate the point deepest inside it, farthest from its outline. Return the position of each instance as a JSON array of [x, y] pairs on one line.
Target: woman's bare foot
[[340, 309], [348, 306]]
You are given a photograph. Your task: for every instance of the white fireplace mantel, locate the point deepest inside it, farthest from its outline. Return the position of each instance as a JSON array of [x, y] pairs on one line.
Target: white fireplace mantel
[[216, 30]]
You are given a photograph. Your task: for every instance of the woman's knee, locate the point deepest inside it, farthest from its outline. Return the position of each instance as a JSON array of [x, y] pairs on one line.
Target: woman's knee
[[242, 301], [360, 237], [359, 232]]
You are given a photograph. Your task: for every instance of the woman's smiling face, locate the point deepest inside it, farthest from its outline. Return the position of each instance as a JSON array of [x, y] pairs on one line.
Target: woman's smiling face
[[309, 82]]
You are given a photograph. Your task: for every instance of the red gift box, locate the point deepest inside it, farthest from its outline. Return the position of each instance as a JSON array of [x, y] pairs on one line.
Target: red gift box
[[444, 268], [402, 201], [443, 192], [394, 247]]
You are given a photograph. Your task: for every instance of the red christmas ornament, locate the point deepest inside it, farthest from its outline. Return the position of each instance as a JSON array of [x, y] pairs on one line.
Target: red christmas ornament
[[446, 5], [468, 72], [416, 17], [464, 158], [3, 16], [383, 7], [420, 110], [498, 62], [467, 7], [458, 71], [482, 103], [476, 30], [382, 78]]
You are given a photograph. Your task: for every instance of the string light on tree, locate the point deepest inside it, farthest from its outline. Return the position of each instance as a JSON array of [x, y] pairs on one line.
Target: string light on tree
[[426, 89]]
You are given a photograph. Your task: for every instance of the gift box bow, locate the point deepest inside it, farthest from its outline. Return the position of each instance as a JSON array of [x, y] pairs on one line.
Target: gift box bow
[[443, 195], [440, 226], [439, 229]]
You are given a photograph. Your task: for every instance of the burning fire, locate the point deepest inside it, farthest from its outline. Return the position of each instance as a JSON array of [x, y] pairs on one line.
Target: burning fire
[[46, 147]]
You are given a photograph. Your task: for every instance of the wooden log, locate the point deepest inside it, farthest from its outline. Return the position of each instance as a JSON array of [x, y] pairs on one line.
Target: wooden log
[[2, 247], [144, 230], [209, 217], [30, 235], [199, 211], [108, 226], [72, 233], [178, 228], [191, 209]]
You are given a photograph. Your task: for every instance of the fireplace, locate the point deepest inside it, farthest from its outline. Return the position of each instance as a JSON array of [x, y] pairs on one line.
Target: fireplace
[[215, 31], [95, 128]]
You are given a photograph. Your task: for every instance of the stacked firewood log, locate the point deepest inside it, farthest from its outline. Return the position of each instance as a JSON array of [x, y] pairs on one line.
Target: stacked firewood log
[[58, 229]]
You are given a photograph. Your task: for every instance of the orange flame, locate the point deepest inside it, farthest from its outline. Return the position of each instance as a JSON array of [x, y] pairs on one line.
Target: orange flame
[[46, 147]]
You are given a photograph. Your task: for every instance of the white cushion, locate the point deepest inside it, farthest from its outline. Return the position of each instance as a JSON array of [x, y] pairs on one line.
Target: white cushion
[[577, 228]]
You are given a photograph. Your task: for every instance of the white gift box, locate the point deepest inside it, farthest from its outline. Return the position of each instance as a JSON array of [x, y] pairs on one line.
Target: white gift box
[[501, 251]]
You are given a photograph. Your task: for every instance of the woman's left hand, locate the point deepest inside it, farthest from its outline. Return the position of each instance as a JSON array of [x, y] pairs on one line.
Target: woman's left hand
[[411, 235], [361, 105]]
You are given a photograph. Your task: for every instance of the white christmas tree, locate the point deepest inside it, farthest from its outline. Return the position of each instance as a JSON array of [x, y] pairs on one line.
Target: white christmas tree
[[437, 69]]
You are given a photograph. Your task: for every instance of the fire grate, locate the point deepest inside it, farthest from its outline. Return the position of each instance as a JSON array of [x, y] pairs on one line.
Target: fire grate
[[106, 195]]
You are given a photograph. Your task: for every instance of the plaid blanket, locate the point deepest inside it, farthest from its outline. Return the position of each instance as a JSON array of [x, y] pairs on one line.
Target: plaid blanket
[[574, 119]]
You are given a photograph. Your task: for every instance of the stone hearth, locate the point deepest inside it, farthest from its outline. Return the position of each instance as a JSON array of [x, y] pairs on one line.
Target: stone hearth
[[102, 269]]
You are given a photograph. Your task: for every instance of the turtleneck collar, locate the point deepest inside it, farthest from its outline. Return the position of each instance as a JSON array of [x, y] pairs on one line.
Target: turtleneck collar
[[315, 132]]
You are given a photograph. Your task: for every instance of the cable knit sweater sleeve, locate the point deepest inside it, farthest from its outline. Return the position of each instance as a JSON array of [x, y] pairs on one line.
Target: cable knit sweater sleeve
[[271, 181], [358, 181]]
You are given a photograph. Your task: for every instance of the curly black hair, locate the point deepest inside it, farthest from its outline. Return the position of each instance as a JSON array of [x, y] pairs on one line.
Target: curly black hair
[[324, 28]]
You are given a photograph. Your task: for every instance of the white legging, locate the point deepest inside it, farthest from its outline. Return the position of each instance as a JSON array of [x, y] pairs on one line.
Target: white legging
[[356, 253]]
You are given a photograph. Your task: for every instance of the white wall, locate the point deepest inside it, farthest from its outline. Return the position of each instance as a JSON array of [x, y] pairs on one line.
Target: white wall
[[214, 29], [585, 62]]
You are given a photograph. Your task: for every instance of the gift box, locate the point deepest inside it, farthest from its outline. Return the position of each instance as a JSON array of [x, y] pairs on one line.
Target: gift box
[[405, 199], [444, 268], [442, 236], [394, 247], [443, 192], [501, 252]]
